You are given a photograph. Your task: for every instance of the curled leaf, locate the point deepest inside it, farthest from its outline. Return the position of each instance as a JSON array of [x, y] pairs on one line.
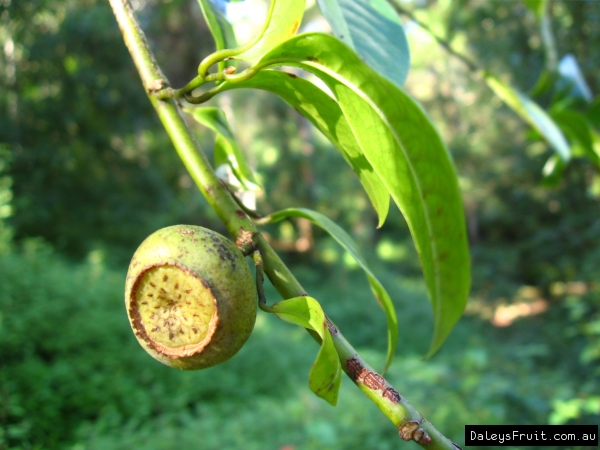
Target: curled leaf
[[348, 244], [325, 375]]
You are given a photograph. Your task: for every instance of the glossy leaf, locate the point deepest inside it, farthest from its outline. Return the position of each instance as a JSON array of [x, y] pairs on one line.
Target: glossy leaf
[[533, 114], [372, 28], [227, 150], [325, 376], [324, 112], [348, 244], [283, 20], [220, 28], [407, 153]]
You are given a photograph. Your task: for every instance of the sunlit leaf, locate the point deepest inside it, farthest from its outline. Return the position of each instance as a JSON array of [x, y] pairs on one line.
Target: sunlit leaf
[[571, 74], [325, 376], [221, 29], [373, 29], [324, 112], [227, 150], [537, 6], [348, 244], [407, 153], [533, 114], [283, 21]]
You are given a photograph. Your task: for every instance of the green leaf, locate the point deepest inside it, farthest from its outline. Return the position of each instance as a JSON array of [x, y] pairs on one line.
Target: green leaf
[[226, 149], [283, 21], [537, 6], [324, 112], [593, 112], [219, 26], [533, 114], [578, 130], [348, 244], [407, 153], [571, 78], [373, 29], [325, 376]]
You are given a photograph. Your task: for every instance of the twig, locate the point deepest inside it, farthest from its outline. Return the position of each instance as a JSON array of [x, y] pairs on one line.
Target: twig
[[471, 65], [409, 422]]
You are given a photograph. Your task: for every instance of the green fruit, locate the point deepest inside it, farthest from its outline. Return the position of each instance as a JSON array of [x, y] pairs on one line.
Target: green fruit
[[190, 297]]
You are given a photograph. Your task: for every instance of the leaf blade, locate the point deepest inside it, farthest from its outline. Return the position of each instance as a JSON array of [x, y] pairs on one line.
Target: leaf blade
[[218, 24], [325, 375], [408, 154], [533, 114], [226, 147], [347, 244], [373, 29], [283, 21], [327, 116]]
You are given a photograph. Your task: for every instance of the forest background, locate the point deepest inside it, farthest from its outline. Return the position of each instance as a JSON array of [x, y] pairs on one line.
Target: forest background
[[87, 172]]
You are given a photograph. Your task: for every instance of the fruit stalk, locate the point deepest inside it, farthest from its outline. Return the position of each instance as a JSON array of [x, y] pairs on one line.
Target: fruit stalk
[[410, 423]]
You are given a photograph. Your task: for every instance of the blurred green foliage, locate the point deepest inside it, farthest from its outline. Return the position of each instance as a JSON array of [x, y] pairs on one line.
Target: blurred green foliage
[[86, 172]]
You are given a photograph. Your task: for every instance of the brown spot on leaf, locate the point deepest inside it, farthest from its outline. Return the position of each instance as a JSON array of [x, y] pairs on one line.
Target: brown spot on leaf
[[171, 335], [176, 285], [195, 330], [392, 395], [165, 278], [374, 381], [152, 284], [240, 213], [291, 75], [313, 59]]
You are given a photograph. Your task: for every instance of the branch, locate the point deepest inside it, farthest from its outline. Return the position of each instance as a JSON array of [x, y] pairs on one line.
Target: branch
[[410, 423], [471, 65]]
